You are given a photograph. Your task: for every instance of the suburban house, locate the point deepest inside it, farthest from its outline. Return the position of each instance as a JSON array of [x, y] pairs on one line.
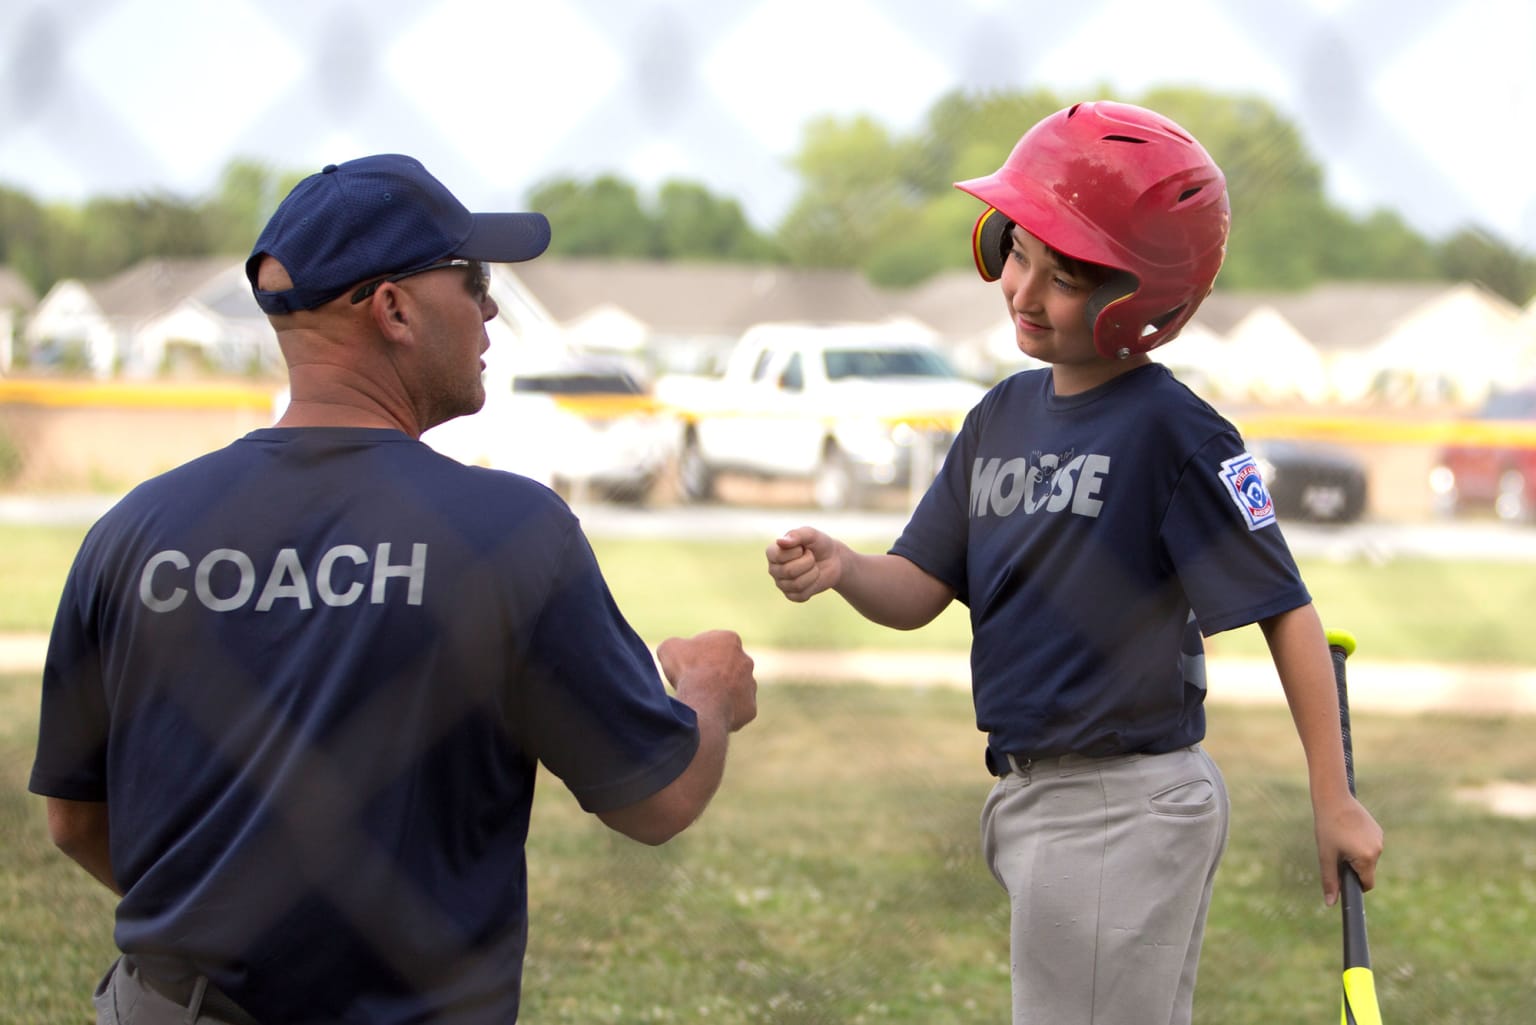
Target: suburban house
[[682, 317], [1419, 343], [159, 316], [16, 301]]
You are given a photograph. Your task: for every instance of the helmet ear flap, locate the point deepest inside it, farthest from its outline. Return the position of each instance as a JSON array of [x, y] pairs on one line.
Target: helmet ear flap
[[1121, 284], [990, 241]]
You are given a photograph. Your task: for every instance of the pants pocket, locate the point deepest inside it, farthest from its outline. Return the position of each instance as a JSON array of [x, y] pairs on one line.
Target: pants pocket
[[105, 997], [1189, 798]]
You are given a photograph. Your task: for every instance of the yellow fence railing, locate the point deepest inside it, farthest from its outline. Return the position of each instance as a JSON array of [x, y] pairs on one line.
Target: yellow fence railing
[[1391, 430], [137, 394], [1322, 426]]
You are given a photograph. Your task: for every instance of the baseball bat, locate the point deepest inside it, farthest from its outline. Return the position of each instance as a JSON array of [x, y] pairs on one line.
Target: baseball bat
[[1359, 1003]]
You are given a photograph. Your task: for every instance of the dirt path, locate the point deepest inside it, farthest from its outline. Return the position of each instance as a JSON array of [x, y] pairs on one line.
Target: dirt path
[[1398, 687]]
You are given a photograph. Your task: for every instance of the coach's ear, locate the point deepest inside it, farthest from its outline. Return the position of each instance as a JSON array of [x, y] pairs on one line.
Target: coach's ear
[[393, 311]]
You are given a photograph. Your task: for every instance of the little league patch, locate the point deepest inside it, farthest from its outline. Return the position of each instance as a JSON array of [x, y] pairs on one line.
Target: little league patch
[[1241, 476]]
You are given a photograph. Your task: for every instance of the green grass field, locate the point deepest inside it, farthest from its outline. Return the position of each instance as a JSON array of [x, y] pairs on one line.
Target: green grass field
[[1417, 610], [836, 878], [1406, 609]]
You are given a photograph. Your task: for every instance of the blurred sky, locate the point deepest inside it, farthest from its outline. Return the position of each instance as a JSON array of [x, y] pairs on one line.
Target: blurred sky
[[1421, 106]]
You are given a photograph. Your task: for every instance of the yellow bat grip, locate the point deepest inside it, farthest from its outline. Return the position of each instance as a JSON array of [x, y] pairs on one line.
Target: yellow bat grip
[[1360, 1006]]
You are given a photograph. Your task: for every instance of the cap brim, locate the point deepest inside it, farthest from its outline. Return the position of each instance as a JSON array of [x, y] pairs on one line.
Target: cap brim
[[505, 238]]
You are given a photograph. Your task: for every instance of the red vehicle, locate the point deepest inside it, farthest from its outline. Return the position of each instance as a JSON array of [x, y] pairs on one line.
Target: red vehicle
[[1493, 465]]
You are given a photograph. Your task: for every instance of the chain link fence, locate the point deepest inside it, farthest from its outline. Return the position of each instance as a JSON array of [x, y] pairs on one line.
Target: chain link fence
[[107, 96], [1410, 106]]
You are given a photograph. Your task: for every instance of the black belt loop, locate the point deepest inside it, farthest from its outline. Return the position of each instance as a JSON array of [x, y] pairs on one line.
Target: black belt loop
[[1001, 765]]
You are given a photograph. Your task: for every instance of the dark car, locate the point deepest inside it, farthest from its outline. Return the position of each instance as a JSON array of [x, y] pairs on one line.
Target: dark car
[[1311, 480], [1492, 463]]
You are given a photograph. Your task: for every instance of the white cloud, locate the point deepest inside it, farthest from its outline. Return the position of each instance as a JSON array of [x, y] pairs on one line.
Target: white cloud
[[1464, 94], [512, 82], [161, 94], [794, 59], [1133, 46], [179, 76]]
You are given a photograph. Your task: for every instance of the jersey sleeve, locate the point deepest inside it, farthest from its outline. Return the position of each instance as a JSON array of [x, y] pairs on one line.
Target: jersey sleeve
[[71, 761], [935, 538], [1222, 536], [592, 705]]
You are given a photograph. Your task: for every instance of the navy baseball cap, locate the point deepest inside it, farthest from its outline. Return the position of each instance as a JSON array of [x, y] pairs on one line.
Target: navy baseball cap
[[376, 216]]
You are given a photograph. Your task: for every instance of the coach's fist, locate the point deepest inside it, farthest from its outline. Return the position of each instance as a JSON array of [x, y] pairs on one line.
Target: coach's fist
[[712, 672]]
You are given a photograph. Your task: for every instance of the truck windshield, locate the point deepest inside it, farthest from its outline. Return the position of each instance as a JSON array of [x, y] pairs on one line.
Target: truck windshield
[[1515, 405], [845, 363], [577, 383]]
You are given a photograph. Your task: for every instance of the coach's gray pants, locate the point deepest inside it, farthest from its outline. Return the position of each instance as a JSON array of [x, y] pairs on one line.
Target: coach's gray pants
[[1108, 864], [122, 998]]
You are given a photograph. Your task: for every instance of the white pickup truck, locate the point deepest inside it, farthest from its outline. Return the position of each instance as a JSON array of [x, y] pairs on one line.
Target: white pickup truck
[[845, 407]]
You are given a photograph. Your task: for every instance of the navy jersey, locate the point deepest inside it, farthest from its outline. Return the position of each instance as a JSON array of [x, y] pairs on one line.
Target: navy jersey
[[1082, 531], [313, 675]]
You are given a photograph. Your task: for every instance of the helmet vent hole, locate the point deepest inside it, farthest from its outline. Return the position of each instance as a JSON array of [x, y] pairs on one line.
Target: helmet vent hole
[[1161, 321], [1189, 194], [1124, 138]]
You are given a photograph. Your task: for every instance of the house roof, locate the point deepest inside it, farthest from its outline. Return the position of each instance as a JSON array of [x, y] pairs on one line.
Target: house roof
[[956, 303], [228, 294], [1333, 316], [152, 286], [688, 298]]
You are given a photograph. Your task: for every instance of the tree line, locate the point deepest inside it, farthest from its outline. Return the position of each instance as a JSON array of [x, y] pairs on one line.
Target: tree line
[[869, 198]]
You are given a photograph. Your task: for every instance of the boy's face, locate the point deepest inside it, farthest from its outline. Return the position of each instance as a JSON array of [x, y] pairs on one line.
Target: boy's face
[[1049, 304]]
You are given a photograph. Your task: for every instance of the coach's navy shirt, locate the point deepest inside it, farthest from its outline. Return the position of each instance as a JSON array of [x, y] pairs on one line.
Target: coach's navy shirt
[[312, 675], [1081, 531]]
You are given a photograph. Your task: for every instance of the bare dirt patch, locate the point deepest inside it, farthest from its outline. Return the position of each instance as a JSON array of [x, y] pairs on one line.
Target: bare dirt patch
[[1512, 800]]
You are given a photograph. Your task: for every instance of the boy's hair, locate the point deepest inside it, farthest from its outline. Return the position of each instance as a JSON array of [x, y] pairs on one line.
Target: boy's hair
[[1085, 270], [1108, 284]]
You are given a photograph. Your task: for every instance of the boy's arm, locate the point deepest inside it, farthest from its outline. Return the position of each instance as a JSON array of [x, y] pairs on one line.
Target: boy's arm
[[885, 589], [1345, 830]]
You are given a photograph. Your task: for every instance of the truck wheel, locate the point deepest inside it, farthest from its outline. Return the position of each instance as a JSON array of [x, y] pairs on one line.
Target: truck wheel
[[695, 479], [1445, 500], [834, 486], [1514, 499], [630, 492]]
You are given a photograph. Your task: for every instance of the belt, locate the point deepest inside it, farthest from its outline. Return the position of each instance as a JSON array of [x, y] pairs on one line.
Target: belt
[[197, 995], [1000, 765]]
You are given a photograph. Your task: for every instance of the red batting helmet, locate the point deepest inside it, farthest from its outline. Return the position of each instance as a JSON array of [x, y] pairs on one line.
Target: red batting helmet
[[1117, 185]]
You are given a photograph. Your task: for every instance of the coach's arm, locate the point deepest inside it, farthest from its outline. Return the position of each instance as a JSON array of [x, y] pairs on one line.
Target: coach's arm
[[79, 829], [712, 675]]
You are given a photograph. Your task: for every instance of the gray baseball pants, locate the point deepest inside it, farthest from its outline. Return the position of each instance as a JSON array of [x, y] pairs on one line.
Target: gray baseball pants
[[1108, 864]]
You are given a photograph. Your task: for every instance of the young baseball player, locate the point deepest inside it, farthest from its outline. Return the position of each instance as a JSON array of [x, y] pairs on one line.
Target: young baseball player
[[1097, 518]]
